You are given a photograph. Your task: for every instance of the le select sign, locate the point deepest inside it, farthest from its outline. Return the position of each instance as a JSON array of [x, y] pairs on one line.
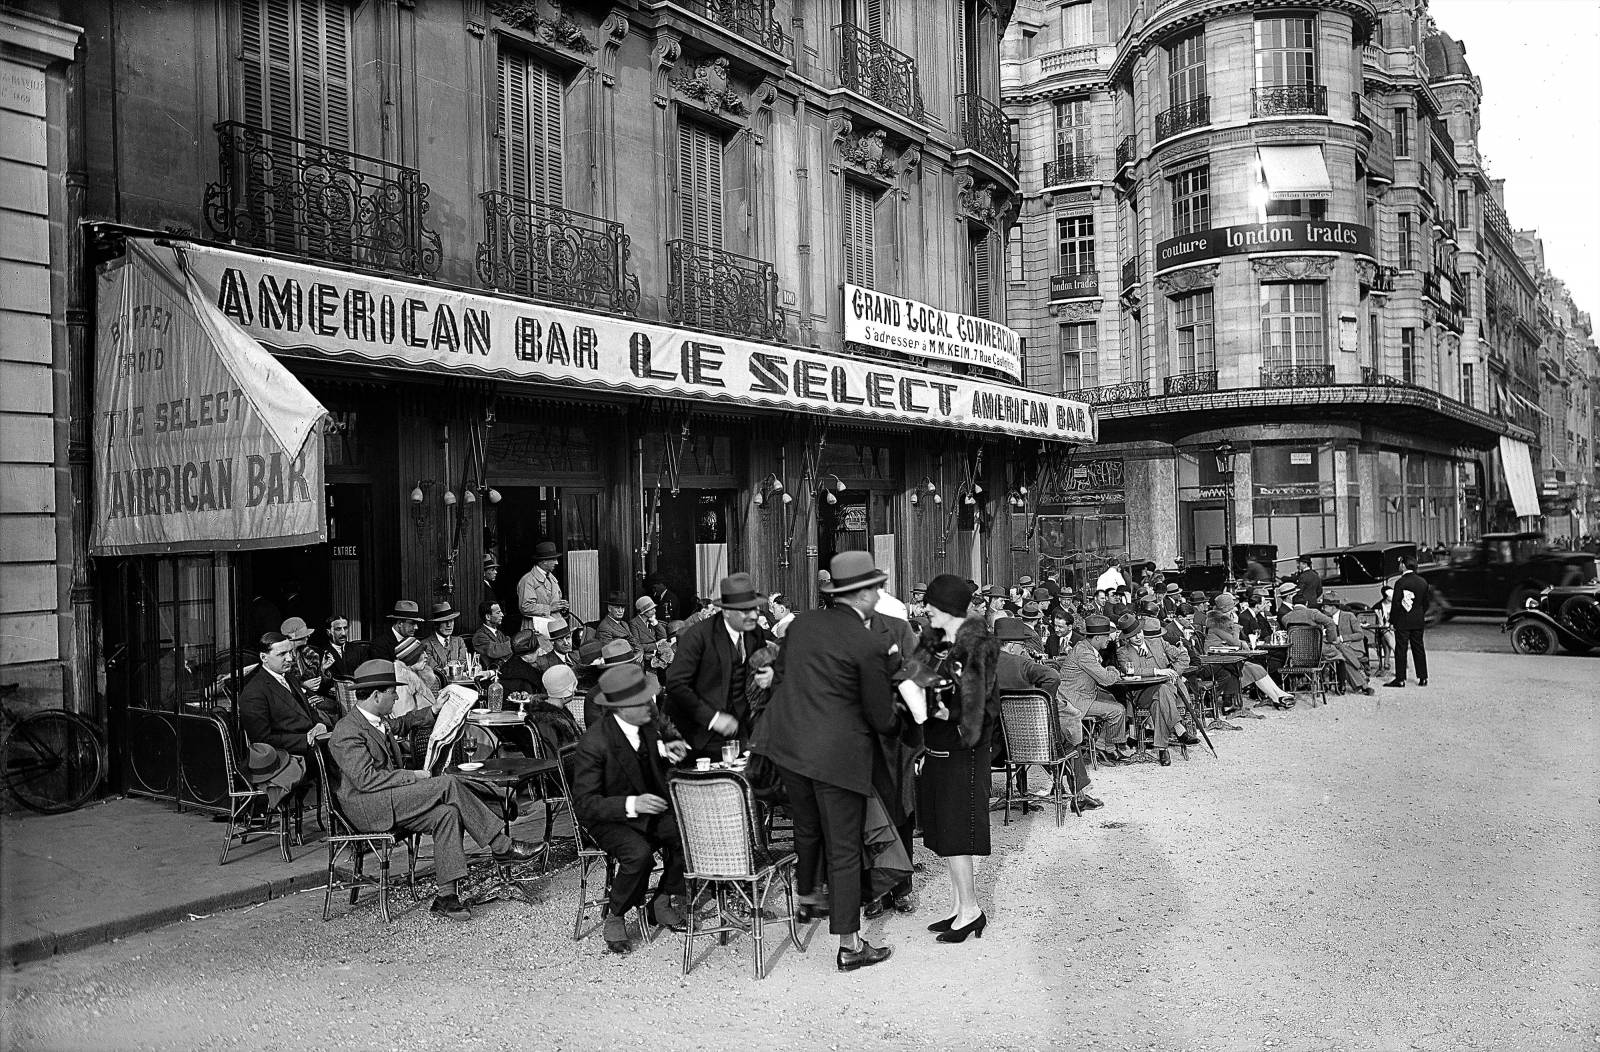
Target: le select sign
[[1296, 235]]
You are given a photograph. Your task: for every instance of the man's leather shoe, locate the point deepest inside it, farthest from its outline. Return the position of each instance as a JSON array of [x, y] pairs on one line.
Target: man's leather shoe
[[866, 957], [1395, 683], [1108, 757], [450, 906], [666, 913], [1126, 751], [616, 934], [1188, 738], [876, 908], [1164, 757], [519, 851], [904, 903], [1422, 683], [807, 912], [1367, 690], [1088, 803]]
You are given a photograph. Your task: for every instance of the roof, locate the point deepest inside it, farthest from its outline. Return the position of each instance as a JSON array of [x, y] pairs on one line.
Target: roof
[[1447, 56]]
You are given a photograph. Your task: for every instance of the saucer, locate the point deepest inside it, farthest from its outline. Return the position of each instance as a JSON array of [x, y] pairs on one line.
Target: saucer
[[469, 766]]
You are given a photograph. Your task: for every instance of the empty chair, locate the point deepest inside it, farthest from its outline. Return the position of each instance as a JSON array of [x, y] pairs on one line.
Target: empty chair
[[1033, 739]]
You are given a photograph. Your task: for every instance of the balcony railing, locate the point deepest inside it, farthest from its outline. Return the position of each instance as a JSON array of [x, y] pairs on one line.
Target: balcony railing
[[1063, 170], [1196, 113], [1190, 383], [1288, 99], [1130, 273], [751, 19], [1088, 56], [554, 254], [1131, 391], [984, 128], [871, 68], [1358, 106], [1297, 376], [1373, 378], [1075, 284], [709, 288], [1461, 296], [1125, 150], [293, 195]]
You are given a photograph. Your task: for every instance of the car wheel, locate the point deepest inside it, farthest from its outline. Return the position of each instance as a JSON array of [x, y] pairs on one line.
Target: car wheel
[[1533, 637], [1581, 615]]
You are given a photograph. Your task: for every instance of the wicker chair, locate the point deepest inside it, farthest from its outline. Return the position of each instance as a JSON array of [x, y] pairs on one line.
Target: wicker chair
[[722, 853], [1304, 669], [248, 813], [345, 837], [1033, 739]]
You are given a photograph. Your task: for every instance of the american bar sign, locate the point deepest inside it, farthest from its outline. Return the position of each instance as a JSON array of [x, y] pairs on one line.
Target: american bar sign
[[1299, 235]]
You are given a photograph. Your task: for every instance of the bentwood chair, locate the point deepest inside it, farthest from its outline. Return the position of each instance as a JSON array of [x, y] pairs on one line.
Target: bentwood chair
[[1033, 739], [248, 813], [723, 854], [345, 839], [1304, 668]]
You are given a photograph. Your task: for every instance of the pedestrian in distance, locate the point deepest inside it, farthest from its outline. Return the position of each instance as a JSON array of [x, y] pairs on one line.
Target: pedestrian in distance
[[1408, 616]]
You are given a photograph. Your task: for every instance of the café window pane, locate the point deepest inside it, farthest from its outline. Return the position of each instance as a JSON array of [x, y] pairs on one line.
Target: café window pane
[[1196, 345], [1191, 200], [1075, 244]]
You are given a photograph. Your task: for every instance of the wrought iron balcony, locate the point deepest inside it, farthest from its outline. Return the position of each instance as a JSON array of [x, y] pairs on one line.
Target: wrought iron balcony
[[1131, 391], [554, 254], [1196, 113], [751, 19], [1373, 378], [293, 195], [1125, 152], [1297, 376], [1288, 100], [1130, 273], [984, 129], [1190, 383], [871, 68], [1075, 284], [709, 288], [1069, 169]]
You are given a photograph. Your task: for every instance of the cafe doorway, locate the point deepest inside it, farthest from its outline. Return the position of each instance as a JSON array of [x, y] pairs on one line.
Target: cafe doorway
[[568, 517], [857, 520], [694, 549]]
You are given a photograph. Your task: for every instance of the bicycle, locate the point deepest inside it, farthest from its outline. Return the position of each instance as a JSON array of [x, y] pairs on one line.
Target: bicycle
[[51, 761]]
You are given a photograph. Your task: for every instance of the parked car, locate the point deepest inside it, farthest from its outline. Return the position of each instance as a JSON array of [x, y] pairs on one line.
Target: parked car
[[1501, 572], [1360, 572], [1566, 617]]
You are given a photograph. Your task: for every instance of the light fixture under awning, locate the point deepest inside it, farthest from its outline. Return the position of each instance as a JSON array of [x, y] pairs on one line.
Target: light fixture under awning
[[1295, 172], [1518, 469]]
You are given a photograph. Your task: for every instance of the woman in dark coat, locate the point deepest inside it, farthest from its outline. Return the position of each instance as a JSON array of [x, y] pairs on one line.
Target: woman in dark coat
[[957, 659]]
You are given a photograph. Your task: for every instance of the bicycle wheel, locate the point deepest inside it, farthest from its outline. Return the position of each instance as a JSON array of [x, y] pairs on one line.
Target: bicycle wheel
[[52, 761]]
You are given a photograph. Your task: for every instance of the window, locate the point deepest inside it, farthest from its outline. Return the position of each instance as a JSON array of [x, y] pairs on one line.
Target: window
[[1297, 208], [1073, 130], [1075, 241], [1374, 344], [1402, 132], [864, 14], [700, 184], [860, 256], [1466, 382], [1080, 357], [967, 48], [1014, 271], [1293, 324], [1406, 259], [1408, 355], [1463, 208], [530, 114], [1191, 314], [980, 275], [1191, 200], [1077, 24], [296, 68], [1186, 70], [1285, 52]]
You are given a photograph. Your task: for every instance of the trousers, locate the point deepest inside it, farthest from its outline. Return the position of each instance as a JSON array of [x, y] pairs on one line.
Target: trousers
[[632, 854], [1162, 701], [442, 807], [828, 823], [1409, 639]]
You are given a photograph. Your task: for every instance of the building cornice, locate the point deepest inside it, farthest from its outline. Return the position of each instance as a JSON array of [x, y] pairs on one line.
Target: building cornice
[[1180, 17]]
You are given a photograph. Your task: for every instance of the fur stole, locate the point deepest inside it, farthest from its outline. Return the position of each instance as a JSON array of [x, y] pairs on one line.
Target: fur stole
[[976, 653]]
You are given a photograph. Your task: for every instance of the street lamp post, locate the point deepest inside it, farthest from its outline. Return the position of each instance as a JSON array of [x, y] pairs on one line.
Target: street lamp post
[[1224, 454]]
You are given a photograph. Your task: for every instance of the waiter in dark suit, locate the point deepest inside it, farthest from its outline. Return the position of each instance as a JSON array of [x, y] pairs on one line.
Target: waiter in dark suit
[[832, 695], [1408, 613], [619, 791], [273, 708], [708, 677], [1309, 582]]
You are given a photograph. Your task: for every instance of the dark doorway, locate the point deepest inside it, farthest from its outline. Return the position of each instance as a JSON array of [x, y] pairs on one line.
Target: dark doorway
[[525, 516], [694, 551], [847, 525]]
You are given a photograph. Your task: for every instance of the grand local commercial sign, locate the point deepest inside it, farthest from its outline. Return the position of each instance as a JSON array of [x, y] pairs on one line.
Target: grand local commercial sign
[[1297, 235], [299, 308], [894, 324]]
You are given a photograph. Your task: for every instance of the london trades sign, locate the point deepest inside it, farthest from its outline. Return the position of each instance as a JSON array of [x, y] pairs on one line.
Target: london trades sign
[[1298, 235]]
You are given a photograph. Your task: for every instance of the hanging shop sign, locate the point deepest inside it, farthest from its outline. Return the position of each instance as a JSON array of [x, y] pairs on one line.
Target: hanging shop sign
[[203, 440], [891, 323], [1297, 235], [298, 308]]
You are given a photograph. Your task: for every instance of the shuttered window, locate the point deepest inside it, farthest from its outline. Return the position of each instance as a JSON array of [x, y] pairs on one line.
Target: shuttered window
[[530, 115], [700, 184], [860, 254], [296, 68], [863, 14], [982, 277]]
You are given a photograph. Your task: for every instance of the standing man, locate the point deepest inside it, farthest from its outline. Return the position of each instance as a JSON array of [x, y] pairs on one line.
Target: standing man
[[832, 695], [539, 593], [1408, 613], [708, 677], [1111, 579], [1309, 582]]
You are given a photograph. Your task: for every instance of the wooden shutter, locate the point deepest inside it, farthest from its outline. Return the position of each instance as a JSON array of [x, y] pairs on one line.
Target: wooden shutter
[[324, 68], [267, 39], [700, 184], [982, 278], [296, 66], [961, 47], [531, 118], [860, 253]]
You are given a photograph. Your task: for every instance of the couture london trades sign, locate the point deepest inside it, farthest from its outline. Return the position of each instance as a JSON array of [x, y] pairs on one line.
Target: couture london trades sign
[[1298, 235], [302, 309], [891, 323]]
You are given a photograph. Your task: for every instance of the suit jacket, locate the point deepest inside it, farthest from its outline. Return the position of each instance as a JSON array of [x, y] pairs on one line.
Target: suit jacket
[[442, 651], [697, 681], [1414, 586], [1310, 584], [606, 771], [1019, 672], [491, 645], [831, 693], [383, 646], [272, 715], [370, 767], [610, 628]]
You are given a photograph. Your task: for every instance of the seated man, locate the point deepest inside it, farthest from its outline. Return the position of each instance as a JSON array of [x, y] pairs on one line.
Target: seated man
[[1137, 656], [615, 624], [379, 795], [1018, 671], [560, 648], [1084, 677], [619, 791], [1222, 630], [521, 671], [646, 629], [273, 708], [1332, 645], [440, 642], [489, 642]]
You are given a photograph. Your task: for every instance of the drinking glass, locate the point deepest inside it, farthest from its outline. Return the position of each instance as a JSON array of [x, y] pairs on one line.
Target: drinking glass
[[730, 750], [469, 748]]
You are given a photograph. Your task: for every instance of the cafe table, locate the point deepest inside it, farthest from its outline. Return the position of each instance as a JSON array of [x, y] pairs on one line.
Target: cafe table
[[1230, 659], [505, 776], [1127, 690]]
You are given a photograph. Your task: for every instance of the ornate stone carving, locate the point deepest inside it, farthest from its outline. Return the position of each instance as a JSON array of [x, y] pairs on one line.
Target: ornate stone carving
[[910, 157], [613, 31], [839, 128], [545, 21], [761, 102], [1366, 272], [1078, 310], [869, 153], [1188, 279], [669, 45], [977, 200], [709, 85], [1293, 268]]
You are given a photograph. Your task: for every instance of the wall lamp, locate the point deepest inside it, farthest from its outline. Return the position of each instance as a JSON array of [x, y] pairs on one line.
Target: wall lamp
[[828, 492], [771, 486], [926, 485]]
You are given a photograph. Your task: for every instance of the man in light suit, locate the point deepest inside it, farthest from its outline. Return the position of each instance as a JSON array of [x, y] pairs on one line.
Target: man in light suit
[[708, 677], [378, 795]]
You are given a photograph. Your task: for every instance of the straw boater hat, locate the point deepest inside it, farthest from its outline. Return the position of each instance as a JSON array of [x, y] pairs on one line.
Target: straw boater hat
[[406, 610], [374, 674], [850, 572], [264, 763], [738, 591], [295, 629], [625, 686], [1174, 588]]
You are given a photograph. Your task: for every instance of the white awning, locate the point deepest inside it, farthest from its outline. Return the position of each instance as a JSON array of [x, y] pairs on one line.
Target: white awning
[[1295, 172], [1518, 469]]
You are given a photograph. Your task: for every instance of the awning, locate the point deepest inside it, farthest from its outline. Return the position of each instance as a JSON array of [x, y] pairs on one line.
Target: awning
[[1526, 404], [203, 441], [1518, 469], [1295, 172]]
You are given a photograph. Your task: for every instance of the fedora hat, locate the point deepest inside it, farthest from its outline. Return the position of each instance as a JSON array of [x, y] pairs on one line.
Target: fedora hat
[[1174, 588], [558, 629], [589, 653], [545, 550], [738, 592], [1032, 611], [442, 612], [407, 650], [405, 610], [376, 673], [920, 586], [1152, 627], [1012, 630], [1128, 623], [295, 630], [524, 642], [619, 652], [1197, 596], [490, 562], [264, 763], [951, 594], [1097, 625], [852, 571], [625, 686], [1025, 581], [617, 599]]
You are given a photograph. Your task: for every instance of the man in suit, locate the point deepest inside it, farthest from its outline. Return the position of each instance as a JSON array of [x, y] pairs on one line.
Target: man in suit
[[708, 677], [439, 640], [615, 624], [273, 708], [645, 628], [560, 652], [491, 644], [832, 695], [404, 620], [1309, 582], [1017, 671], [619, 791], [378, 795], [1084, 678], [539, 593], [1138, 655], [1408, 615], [336, 643], [1323, 620]]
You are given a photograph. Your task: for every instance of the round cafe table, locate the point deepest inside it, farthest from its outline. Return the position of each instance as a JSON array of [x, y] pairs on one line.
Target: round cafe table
[[1228, 658], [1127, 691]]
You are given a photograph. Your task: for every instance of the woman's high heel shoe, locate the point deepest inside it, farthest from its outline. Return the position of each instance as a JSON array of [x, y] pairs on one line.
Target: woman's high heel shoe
[[942, 925], [975, 929]]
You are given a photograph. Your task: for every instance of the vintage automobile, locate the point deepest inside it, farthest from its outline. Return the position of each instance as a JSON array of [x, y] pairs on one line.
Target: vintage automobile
[[1360, 572], [1566, 617], [1500, 573]]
